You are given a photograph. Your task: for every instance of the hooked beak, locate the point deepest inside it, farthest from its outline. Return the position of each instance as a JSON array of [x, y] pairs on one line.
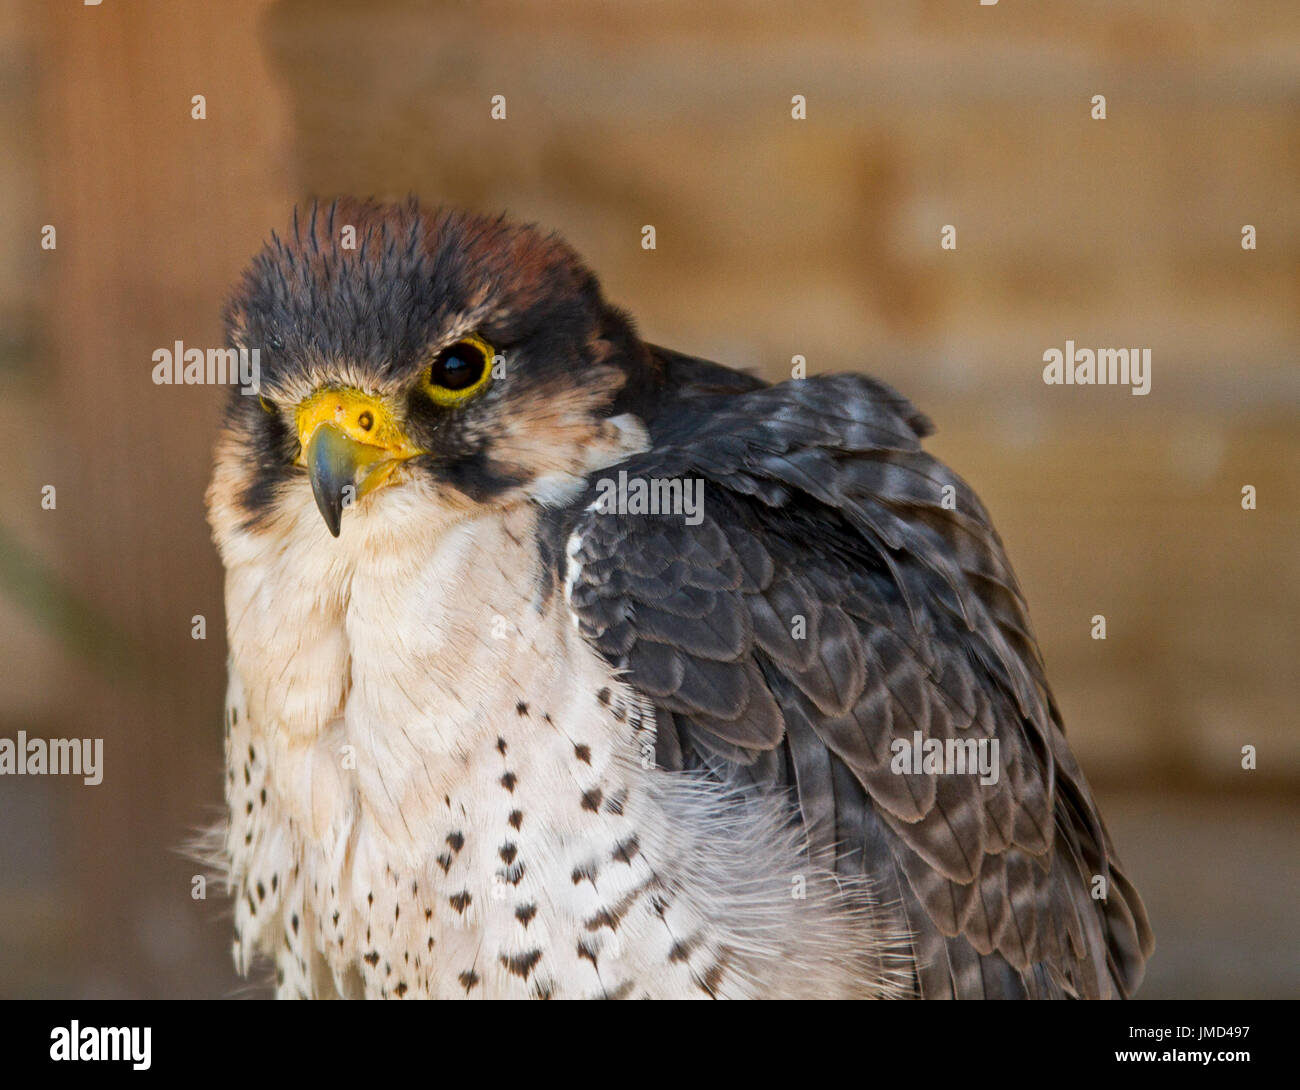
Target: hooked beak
[[351, 443]]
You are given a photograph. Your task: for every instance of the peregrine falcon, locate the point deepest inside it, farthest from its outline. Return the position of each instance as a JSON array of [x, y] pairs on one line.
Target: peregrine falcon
[[497, 728]]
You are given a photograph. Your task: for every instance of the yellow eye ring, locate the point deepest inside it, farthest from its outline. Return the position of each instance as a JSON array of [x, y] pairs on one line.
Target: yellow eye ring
[[459, 371]]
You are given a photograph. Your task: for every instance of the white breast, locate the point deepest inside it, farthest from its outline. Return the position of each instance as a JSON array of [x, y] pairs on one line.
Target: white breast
[[438, 789]]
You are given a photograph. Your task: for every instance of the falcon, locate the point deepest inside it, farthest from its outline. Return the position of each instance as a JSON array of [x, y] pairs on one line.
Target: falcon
[[492, 734]]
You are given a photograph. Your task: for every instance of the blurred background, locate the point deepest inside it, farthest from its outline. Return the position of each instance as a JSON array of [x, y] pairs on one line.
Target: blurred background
[[776, 237]]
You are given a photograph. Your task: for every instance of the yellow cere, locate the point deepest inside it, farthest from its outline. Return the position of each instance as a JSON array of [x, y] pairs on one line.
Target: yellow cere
[[361, 417]]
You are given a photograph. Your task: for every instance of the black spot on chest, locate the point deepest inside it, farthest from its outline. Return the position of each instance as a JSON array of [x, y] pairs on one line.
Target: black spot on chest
[[522, 964]]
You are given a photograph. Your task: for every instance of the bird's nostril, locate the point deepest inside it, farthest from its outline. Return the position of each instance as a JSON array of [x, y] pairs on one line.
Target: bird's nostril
[[366, 420]]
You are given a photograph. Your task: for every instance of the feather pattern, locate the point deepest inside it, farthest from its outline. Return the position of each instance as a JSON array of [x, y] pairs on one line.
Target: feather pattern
[[828, 604]]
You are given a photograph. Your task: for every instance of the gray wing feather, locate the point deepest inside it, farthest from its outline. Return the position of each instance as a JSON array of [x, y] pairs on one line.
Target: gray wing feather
[[822, 511]]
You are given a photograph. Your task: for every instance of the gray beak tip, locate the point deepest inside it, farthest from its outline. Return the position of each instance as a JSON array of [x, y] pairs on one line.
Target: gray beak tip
[[332, 467]]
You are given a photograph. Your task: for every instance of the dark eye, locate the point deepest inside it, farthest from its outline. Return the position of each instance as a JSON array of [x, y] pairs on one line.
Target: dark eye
[[458, 367], [459, 370]]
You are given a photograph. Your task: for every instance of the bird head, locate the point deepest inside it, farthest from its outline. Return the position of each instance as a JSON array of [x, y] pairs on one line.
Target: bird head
[[468, 359]]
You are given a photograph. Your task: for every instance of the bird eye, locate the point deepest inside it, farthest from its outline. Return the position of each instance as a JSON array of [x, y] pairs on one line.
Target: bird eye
[[459, 371], [267, 407]]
